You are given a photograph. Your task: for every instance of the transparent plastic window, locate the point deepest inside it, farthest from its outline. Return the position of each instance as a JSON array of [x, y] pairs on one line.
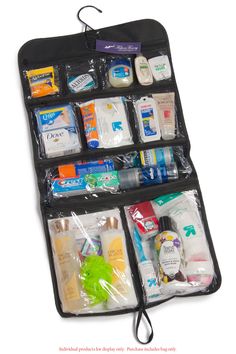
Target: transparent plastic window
[[117, 71], [57, 131], [115, 174], [106, 122], [43, 81], [156, 117], [158, 64], [171, 247], [82, 76], [91, 262]]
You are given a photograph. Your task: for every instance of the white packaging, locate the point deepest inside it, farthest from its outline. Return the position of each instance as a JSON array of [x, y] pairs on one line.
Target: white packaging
[[112, 122], [149, 280], [143, 70], [199, 266], [182, 209], [160, 66], [166, 112], [148, 119], [58, 130]]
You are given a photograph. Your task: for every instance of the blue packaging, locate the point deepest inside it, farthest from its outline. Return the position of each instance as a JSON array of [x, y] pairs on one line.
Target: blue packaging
[[157, 157], [83, 168], [154, 175]]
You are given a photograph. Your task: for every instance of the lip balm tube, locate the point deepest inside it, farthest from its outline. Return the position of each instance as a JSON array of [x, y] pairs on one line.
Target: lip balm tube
[[90, 124], [166, 111]]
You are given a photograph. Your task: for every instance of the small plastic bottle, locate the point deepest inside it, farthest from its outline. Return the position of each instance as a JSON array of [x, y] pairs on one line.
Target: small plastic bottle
[[143, 70], [135, 177], [170, 257], [67, 264], [115, 253]]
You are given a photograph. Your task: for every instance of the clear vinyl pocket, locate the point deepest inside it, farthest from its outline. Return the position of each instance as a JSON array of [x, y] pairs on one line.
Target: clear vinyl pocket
[[82, 76], [158, 61], [56, 130], [157, 117], [172, 250], [106, 123], [88, 179], [91, 262], [42, 81]]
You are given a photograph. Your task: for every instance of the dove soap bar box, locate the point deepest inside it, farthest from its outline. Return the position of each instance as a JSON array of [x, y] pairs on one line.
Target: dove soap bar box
[[57, 130]]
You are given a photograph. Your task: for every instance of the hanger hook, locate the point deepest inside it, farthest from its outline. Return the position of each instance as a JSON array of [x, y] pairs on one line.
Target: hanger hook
[[84, 23]]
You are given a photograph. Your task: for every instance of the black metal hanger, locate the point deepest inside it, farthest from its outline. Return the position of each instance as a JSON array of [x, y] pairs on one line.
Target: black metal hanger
[[84, 23]]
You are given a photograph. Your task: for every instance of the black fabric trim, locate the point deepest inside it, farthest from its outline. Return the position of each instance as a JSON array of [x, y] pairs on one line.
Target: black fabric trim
[[60, 50]]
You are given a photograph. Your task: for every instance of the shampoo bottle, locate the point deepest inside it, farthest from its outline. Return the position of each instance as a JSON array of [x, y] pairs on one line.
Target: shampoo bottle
[[67, 264], [121, 291]]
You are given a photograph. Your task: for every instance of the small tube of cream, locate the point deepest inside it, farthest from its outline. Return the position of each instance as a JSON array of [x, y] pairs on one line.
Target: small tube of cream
[[166, 111]]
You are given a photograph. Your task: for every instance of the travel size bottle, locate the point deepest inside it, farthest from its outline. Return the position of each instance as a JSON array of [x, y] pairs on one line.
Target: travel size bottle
[[115, 253], [67, 265], [170, 257]]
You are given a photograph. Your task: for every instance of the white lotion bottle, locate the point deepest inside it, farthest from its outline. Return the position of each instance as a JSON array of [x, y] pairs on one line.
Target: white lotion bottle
[[166, 112], [148, 121], [199, 266], [121, 291], [143, 70]]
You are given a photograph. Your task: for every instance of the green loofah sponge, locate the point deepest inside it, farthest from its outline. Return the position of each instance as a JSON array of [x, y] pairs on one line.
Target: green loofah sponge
[[95, 274]]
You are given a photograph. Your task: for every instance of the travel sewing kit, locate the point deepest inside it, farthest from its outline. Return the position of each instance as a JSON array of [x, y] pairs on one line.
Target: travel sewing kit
[[123, 213]]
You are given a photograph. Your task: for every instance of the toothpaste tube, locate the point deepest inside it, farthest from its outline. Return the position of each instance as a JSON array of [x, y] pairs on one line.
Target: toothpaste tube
[[90, 183], [83, 168], [90, 124]]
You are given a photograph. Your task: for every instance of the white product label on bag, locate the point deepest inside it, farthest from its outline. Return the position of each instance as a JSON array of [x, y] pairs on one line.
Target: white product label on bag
[[169, 259]]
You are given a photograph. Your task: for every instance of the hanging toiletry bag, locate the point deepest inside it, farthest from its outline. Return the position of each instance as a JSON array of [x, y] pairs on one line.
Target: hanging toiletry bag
[[123, 214]]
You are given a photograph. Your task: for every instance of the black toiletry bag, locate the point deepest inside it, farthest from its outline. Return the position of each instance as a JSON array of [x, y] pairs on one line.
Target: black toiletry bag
[[71, 48]]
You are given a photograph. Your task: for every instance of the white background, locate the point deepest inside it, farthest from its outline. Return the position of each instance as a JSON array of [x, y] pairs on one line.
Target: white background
[[202, 39]]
